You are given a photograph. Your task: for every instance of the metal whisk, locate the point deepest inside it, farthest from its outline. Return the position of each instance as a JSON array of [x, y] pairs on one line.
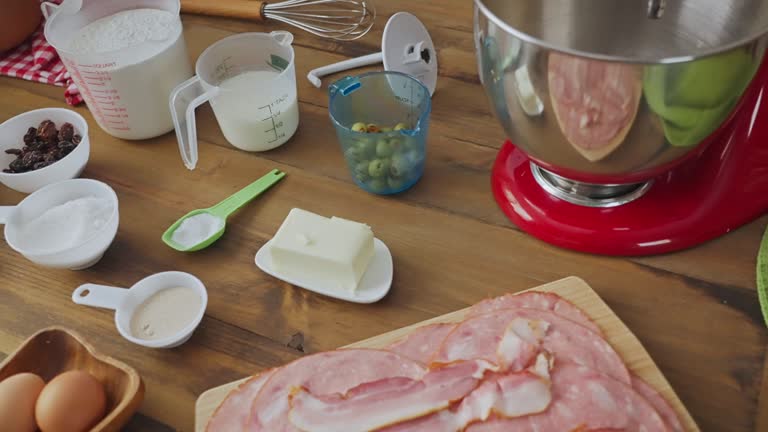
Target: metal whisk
[[332, 19]]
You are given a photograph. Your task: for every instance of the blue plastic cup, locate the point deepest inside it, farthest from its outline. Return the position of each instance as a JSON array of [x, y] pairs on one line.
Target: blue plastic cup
[[388, 161]]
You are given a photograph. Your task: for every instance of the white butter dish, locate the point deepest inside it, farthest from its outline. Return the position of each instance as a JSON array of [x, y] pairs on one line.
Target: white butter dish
[[373, 286]]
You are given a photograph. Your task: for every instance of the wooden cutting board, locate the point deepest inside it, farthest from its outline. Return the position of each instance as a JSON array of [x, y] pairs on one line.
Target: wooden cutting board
[[573, 289]]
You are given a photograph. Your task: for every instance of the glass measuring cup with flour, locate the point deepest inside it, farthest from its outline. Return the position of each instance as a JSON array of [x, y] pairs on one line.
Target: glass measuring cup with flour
[[250, 81], [125, 56]]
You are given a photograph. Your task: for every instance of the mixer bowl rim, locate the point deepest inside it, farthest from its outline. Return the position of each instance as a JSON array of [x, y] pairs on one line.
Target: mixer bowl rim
[[611, 58]]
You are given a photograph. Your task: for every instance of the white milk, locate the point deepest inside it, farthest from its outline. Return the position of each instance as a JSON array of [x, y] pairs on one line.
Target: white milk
[[255, 111], [129, 96]]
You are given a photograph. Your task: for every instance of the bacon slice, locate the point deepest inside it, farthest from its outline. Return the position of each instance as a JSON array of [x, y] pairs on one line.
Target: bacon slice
[[481, 336], [536, 300], [382, 403], [422, 343], [232, 414], [506, 395], [584, 400], [324, 374], [661, 405]]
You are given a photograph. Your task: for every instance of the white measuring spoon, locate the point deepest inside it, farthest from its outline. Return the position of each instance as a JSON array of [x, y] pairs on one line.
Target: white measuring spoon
[[125, 301]]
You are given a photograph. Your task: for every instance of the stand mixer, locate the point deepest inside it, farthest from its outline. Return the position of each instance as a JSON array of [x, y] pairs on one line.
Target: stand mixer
[[634, 129]]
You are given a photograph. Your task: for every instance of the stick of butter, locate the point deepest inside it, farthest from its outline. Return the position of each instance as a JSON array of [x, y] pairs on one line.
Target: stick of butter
[[334, 252]]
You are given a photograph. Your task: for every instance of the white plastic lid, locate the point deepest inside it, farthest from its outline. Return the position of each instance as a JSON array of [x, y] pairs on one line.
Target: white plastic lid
[[407, 47]]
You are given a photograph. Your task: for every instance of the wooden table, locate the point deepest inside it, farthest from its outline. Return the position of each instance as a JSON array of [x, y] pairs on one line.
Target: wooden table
[[696, 311]]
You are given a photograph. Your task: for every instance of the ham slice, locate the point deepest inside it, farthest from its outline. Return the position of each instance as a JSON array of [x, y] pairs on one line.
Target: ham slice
[[595, 102], [661, 405], [386, 402], [584, 400], [536, 300], [232, 414], [422, 343], [481, 336], [324, 374]]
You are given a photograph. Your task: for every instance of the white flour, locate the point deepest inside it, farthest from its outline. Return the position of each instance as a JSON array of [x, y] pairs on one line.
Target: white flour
[[126, 66], [196, 229], [66, 225]]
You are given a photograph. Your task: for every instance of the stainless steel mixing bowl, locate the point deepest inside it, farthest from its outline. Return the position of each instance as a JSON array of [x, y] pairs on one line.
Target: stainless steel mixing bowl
[[608, 91]]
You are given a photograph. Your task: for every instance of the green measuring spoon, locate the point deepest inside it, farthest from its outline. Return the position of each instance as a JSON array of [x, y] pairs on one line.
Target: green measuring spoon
[[223, 210]]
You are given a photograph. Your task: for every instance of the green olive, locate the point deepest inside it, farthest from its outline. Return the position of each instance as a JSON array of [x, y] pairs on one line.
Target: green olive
[[384, 148], [377, 185], [386, 129], [378, 168], [359, 127], [399, 165], [396, 144], [361, 170], [354, 153], [400, 126], [395, 183], [373, 128]]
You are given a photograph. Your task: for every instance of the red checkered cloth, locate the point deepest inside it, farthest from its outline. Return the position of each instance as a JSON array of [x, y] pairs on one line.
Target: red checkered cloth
[[36, 60]]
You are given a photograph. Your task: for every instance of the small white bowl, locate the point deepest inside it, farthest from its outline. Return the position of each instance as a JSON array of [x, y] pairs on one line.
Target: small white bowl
[[12, 132], [78, 257], [125, 301]]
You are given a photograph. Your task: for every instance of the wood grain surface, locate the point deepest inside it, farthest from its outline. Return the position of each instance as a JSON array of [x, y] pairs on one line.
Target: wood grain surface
[[695, 311], [572, 289]]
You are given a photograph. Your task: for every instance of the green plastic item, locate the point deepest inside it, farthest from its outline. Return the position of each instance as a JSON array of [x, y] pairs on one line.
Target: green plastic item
[[762, 276], [223, 210]]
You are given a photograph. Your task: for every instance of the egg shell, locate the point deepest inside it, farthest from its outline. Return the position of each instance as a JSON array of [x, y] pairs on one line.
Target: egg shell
[[74, 401], [18, 394]]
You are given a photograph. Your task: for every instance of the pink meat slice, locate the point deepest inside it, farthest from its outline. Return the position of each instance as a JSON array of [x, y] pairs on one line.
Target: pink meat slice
[[232, 414], [481, 337], [536, 300], [584, 399], [507, 394], [594, 99], [324, 374], [661, 405], [378, 404], [422, 343]]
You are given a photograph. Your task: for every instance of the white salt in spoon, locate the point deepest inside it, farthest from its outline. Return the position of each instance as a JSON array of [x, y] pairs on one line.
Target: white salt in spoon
[[125, 302], [209, 224]]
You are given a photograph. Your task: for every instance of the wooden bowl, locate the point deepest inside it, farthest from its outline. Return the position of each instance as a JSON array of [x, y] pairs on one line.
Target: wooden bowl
[[54, 350]]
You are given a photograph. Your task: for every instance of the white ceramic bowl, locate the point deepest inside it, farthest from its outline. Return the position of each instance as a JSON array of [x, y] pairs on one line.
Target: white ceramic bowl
[[80, 256], [11, 136], [125, 301]]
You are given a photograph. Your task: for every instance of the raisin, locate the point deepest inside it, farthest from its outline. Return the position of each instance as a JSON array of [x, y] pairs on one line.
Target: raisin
[[29, 137], [67, 132], [76, 139], [41, 165], [14, 151], [17, 166], [47, 132]]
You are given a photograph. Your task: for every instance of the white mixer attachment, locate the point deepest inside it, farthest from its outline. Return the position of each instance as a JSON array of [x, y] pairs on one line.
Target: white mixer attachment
[[405, 47]]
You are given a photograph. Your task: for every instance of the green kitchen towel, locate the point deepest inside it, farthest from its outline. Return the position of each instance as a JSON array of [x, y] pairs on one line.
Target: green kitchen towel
[[762, 276]]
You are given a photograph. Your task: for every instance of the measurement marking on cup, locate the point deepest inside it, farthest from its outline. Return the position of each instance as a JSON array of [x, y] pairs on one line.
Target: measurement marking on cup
[[272, 118]]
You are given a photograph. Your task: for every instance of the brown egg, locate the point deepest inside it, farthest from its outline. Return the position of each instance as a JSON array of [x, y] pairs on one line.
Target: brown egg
[[19, 18], [18, 394], [72, 402]]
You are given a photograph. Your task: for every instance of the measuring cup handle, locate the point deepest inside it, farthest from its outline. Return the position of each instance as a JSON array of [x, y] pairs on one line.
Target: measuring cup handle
[[5, 214], [100, 296], [185, 98], [314, 75]]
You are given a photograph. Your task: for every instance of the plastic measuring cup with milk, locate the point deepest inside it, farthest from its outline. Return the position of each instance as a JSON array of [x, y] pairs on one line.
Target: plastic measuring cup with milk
[[250, 81], [126, 56]]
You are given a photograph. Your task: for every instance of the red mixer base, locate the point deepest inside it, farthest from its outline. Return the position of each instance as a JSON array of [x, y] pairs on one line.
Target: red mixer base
[[727, 186]]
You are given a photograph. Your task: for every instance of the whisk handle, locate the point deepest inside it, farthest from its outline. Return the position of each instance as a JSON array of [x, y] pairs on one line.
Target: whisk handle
[[244, 9]]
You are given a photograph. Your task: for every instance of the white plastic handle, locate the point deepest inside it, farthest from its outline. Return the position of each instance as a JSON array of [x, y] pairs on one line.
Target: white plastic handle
[[314, 75], [185, 98], [101, 296], [5, 213]]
